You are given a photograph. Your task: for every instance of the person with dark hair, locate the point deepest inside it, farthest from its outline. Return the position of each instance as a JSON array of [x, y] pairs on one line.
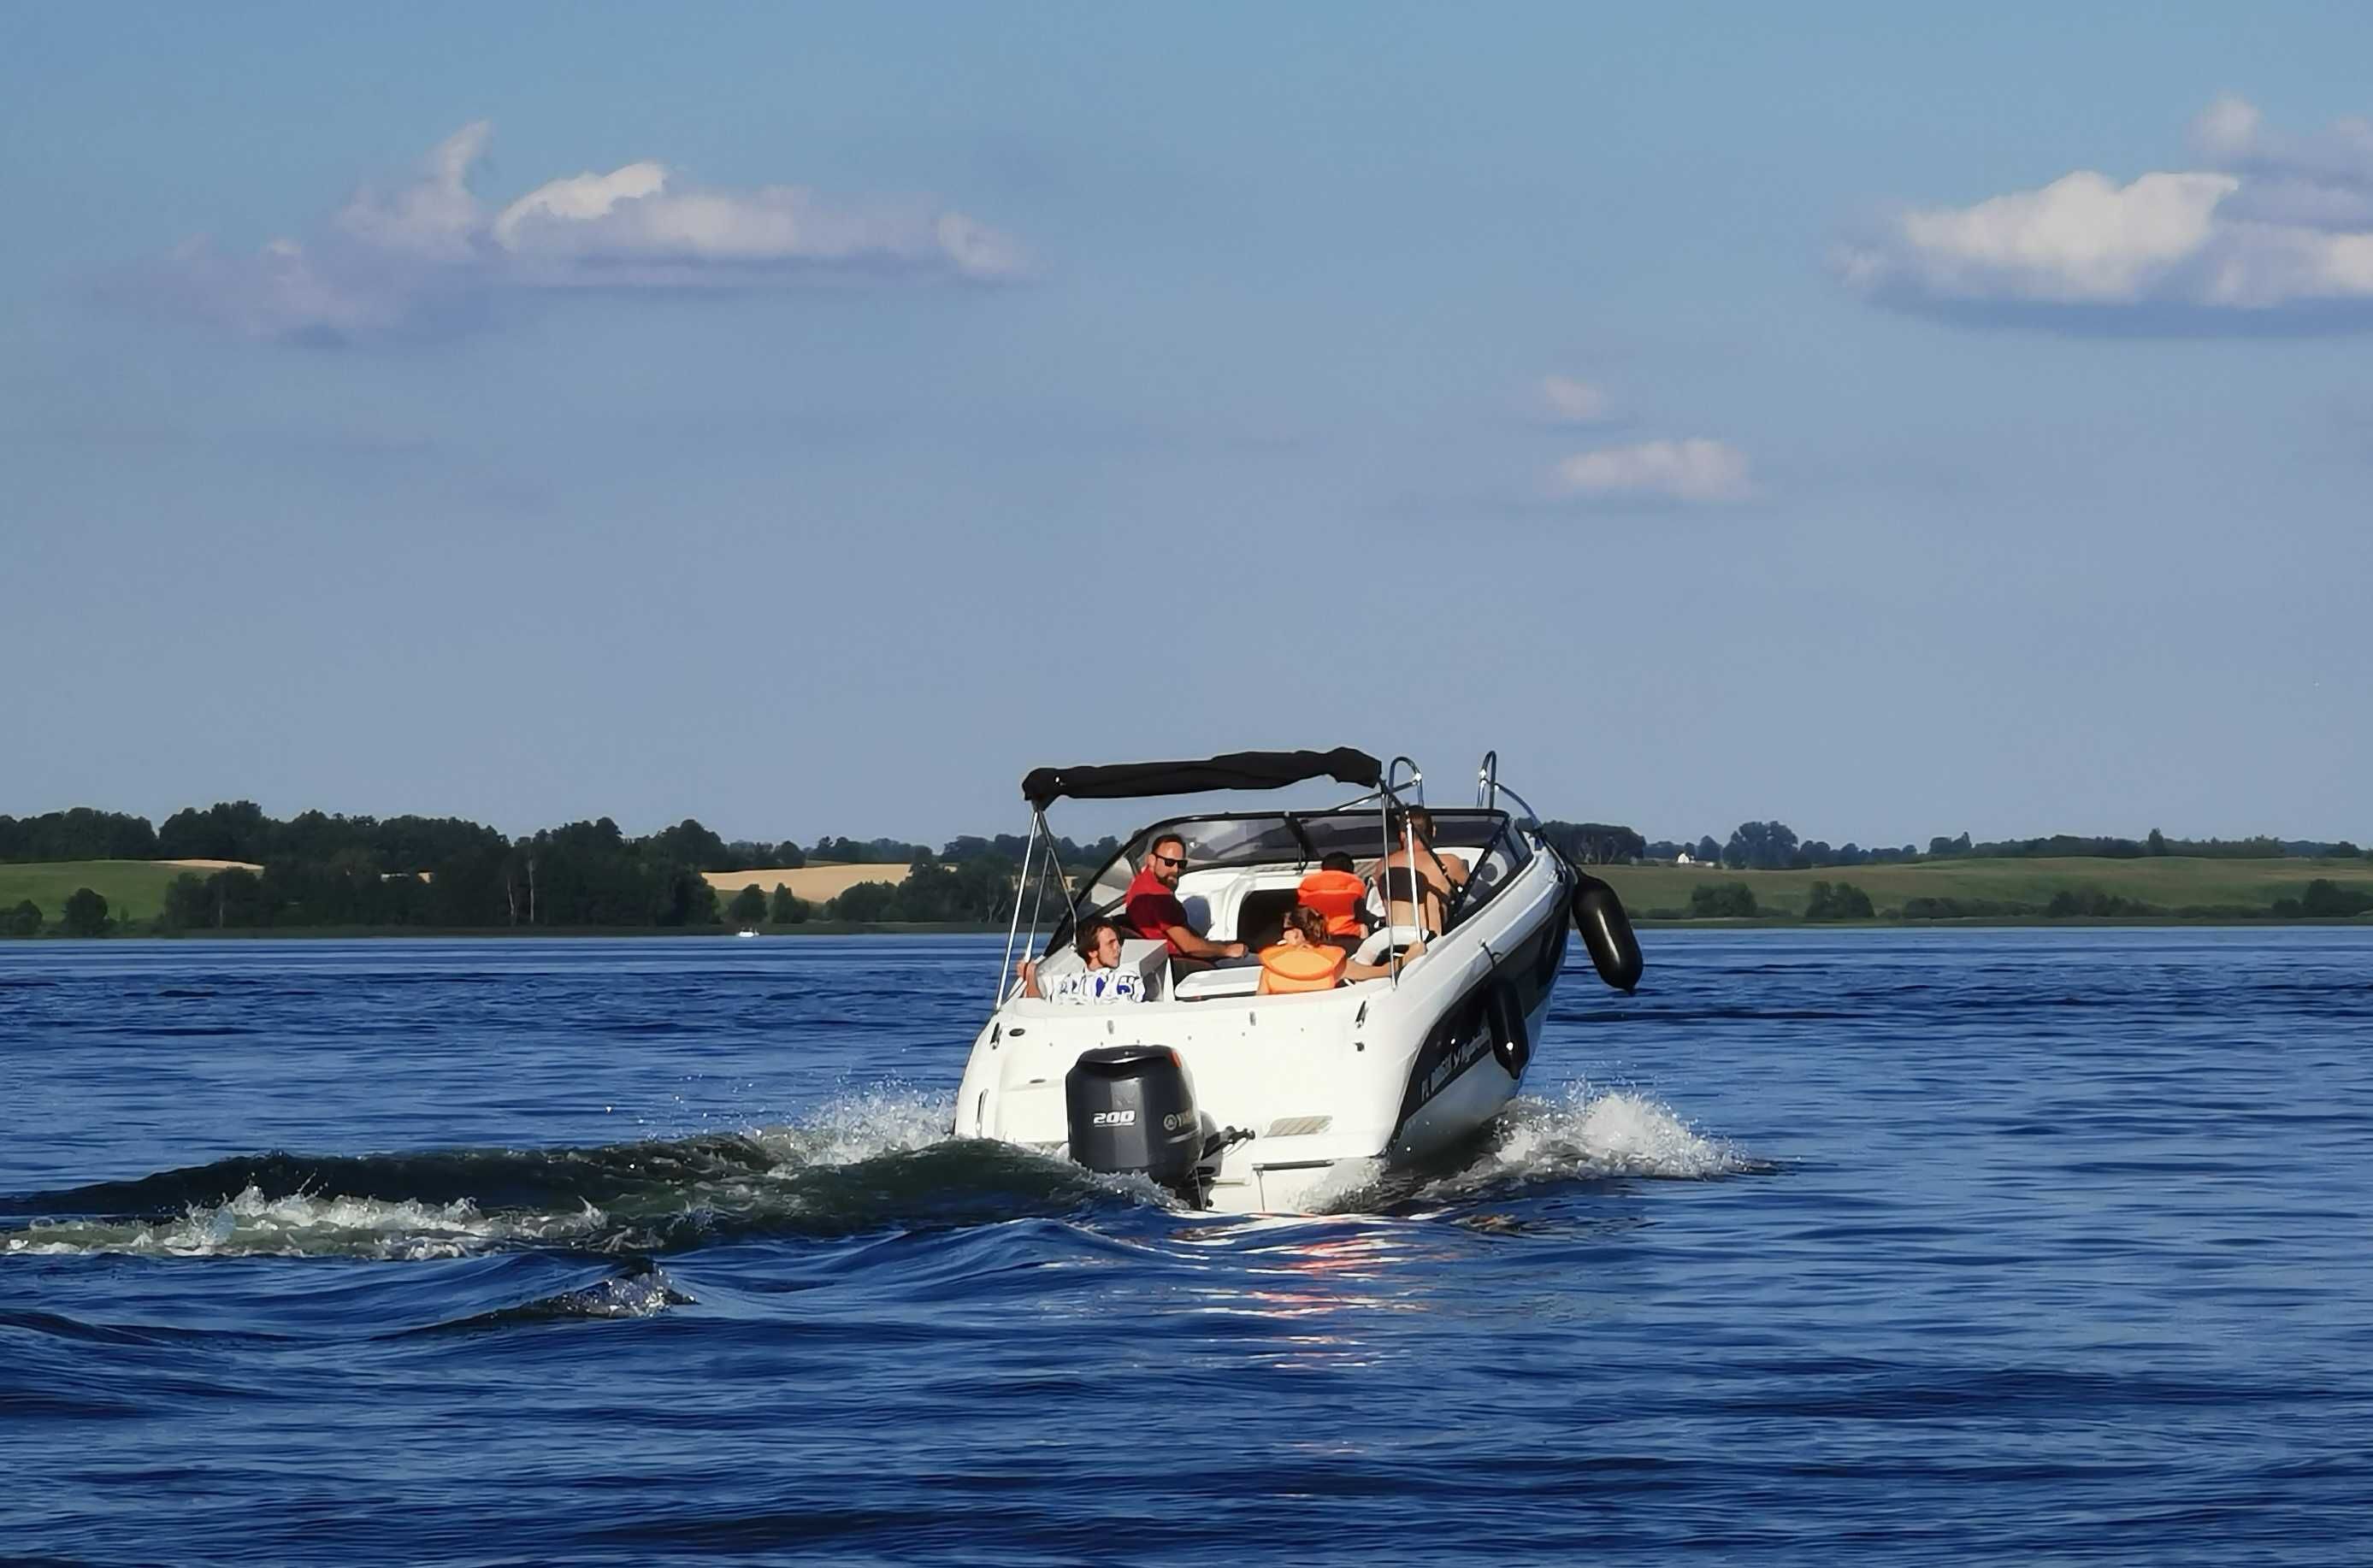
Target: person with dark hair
[[1151, 905], [1304, 959], [1413, 892], [1101, 978], [1417, 887], [1335, 890]]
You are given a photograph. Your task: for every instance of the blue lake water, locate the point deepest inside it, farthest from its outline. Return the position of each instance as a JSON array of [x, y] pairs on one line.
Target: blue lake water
[[1867, 1247]]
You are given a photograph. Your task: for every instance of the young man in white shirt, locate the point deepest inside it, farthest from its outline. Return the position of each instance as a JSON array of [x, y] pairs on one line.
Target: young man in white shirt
[[1102, 980]]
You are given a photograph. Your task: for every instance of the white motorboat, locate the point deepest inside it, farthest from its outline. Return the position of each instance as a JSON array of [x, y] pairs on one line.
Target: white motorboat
[[1248, 1103]]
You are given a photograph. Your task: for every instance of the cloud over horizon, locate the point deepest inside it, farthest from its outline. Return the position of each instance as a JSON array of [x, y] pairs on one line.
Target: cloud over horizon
[[428, 255], [2274, 233], [1695, 472], [1564, 400]]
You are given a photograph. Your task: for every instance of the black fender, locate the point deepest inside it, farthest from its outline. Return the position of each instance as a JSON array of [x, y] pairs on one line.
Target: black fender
[[1606, 932], [1504, 1013]]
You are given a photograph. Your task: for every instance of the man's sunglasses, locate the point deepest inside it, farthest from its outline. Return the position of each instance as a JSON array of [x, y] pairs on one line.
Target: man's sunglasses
[[1172, 861]]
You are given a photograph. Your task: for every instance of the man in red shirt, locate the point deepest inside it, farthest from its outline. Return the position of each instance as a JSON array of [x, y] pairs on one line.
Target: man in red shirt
[[1154, 908]]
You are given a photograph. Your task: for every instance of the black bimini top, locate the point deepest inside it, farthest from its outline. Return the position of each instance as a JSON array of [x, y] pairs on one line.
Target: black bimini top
[[1237, 770]]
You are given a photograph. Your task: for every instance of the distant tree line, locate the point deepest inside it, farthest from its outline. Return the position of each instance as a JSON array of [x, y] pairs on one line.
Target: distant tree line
[[238, 830], [1774, 846], [2263, 847], [322, 869], [81, 834], [2322, 899]]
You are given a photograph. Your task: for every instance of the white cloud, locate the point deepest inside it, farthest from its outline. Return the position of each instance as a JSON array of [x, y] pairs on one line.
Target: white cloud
[[1695, 471], [582, 199], [2275, 228], [427, 253], [1566, 401], [2227, 127], [435, 216]]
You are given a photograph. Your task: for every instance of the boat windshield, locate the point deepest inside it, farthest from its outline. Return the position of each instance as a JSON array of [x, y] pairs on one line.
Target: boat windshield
[[1280, 838]]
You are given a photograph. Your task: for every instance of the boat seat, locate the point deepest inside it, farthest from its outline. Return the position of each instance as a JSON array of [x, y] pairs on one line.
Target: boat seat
[[1205, 984], [1150, 959]]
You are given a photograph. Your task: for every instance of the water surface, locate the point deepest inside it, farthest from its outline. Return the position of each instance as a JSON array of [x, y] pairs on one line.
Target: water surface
[[1880, 1247]]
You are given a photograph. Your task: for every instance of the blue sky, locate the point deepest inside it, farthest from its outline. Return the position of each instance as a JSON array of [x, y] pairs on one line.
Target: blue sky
[[1895, 424]]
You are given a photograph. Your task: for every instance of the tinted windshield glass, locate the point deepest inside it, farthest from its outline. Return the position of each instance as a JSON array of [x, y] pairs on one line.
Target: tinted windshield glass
[[1211, 841], [1283, 837], [1466, 829]]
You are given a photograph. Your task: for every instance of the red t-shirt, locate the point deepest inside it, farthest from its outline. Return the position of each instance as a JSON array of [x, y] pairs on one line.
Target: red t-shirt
[[1154, 908]]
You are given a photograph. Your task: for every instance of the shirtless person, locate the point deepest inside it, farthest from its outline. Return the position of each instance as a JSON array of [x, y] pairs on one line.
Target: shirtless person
[[1438, 875], [1434, 877]]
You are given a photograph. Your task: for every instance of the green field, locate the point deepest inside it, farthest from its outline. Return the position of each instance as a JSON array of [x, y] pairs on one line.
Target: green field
[[2171, 882], [134, 890]]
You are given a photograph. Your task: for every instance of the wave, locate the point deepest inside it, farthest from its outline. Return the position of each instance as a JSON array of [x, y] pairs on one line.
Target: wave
[[643, 1290], [1538, 1146], [1609, 1133], [870, 1162]]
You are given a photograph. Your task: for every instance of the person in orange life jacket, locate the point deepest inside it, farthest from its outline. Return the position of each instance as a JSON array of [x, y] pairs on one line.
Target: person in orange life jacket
[[1153, 907], [1103, 979], [1304, 959], [1335, 891]]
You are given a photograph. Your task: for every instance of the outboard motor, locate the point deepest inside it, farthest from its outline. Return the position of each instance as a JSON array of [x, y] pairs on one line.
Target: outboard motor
[[1606, 932], [1131, 1111]]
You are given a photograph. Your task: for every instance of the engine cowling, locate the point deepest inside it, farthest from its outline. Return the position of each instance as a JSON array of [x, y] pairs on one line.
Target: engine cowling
[[1131, 1111]]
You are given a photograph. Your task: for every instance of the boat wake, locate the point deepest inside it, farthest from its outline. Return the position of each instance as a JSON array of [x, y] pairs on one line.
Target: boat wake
[[1541, 1146], [1591, 1134], [873, 1162]]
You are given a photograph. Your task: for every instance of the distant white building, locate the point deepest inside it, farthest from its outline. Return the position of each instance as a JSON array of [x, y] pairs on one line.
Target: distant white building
[[1686, 858]]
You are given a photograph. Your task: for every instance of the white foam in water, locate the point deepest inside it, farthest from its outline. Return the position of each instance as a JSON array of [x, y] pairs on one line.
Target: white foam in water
[[252, 1225], [1613, 1132], [882, 1119], [1595, 1134], [1341, 1187]]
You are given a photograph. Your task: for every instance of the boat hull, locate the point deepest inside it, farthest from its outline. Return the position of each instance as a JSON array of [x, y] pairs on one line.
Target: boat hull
[[1333, 1086]]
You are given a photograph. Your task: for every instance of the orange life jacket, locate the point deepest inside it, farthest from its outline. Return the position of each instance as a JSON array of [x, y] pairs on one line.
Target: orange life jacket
[[1336, 895], [1291, 966]]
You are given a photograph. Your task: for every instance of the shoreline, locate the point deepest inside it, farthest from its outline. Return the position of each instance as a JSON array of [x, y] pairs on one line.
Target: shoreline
[[949, 928]]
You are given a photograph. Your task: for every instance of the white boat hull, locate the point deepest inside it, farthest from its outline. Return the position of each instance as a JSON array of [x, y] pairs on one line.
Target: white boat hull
[[1333, 1085]]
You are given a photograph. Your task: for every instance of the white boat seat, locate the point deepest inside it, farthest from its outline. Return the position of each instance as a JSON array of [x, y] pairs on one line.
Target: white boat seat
[[1148, 958], [1243, 980]]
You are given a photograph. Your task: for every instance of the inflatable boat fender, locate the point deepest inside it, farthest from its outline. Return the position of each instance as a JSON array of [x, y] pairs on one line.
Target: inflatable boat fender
[[1606, 932], [1506, 1017]]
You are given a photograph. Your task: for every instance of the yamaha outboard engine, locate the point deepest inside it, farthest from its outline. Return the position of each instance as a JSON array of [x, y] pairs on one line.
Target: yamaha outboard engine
[[1132, 1111]]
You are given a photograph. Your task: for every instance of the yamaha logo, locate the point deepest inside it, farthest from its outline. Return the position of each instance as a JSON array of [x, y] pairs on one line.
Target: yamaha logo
[[1178, 1121], [1113, 1119]]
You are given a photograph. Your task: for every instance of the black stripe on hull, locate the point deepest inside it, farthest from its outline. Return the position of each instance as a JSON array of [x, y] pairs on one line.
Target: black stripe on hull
[[1464, 1035]]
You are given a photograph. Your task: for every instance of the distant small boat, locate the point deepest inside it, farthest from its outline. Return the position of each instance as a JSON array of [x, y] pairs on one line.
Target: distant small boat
[[745, 930]]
